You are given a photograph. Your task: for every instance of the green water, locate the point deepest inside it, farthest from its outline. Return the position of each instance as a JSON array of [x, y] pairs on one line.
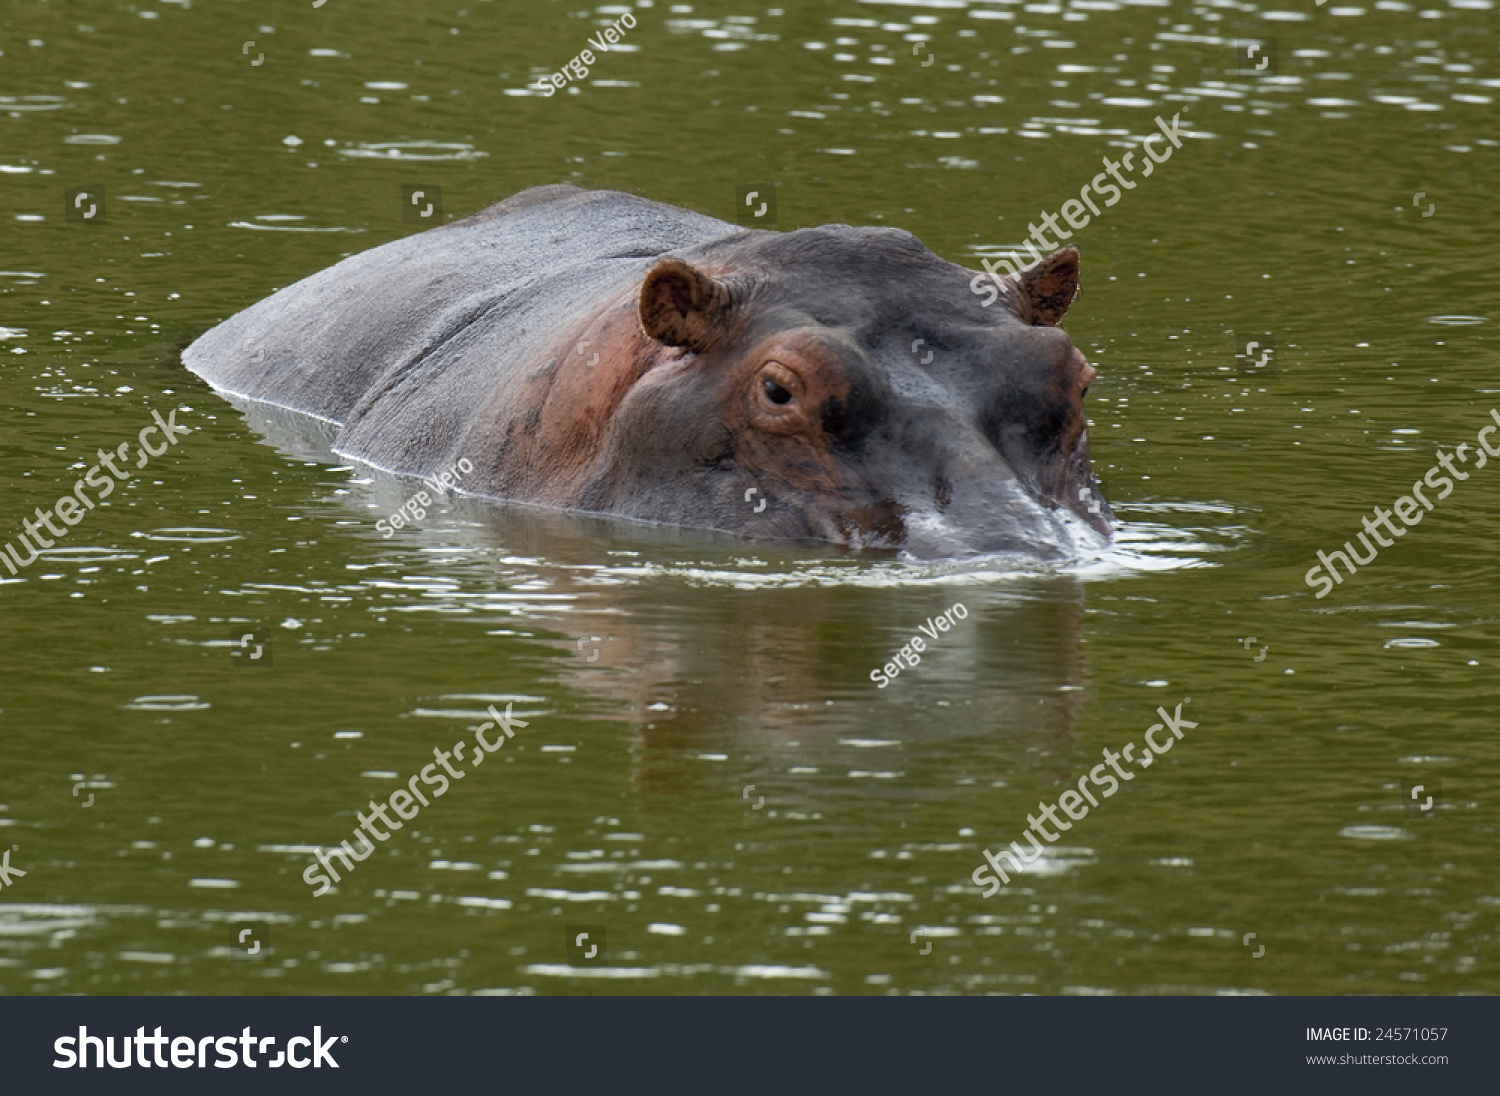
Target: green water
[[662, 674]]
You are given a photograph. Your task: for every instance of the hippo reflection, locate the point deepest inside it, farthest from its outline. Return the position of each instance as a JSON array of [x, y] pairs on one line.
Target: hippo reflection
[[696, 645], [594, 351]]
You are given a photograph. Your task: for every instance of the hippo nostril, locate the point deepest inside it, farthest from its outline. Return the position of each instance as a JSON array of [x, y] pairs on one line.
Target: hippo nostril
[[942, 492], [775, 393]]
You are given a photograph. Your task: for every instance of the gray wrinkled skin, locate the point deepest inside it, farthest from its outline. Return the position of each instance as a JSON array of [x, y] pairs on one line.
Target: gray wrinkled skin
[[463, 342]]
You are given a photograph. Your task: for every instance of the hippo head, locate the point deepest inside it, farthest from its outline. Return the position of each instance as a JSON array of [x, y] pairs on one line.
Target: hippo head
[[848, 385]]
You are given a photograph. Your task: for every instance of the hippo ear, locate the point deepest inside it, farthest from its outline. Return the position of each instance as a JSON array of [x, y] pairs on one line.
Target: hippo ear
[[1049, 285], [682, 306]]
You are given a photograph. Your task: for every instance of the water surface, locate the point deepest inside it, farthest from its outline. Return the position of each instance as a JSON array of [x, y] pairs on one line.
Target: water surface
[[708, 773]]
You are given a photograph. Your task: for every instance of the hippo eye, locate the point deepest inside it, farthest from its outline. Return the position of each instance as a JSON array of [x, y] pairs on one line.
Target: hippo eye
[[775, 393], [778, 399]]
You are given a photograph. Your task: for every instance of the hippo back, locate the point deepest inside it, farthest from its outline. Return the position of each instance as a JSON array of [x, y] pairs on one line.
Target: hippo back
[[400, 345]]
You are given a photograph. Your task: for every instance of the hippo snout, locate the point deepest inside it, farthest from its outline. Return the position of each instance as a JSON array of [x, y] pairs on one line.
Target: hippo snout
[[975, 503]]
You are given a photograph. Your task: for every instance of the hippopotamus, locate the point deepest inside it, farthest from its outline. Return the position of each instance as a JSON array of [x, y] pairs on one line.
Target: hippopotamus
[[594, 351]]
